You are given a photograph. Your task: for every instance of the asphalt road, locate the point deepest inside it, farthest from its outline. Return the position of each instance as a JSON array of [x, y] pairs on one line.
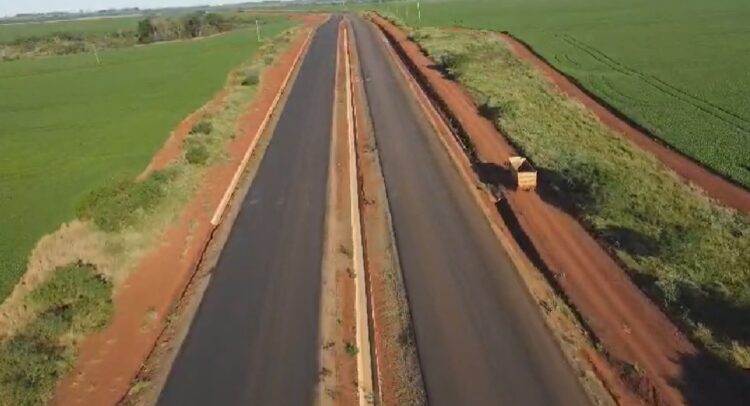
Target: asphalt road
[[254, 338], [480, 337]]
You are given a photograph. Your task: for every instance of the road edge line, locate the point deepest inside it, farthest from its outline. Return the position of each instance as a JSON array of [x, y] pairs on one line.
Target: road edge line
[[221, 208], [364, 359]]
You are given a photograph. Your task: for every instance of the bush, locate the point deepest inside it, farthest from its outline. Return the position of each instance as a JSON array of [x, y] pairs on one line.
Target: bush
[[75, 296], [117, 205], [202, 127], [351, 349], [196, 153], [74, 301], [450, 62], [252, 78], [146, 30]]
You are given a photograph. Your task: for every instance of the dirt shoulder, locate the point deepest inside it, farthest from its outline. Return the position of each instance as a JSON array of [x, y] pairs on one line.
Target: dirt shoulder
[[715, 186], [652, 357], [110, 359]]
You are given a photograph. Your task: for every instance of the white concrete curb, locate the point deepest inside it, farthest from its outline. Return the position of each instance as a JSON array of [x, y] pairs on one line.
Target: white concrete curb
[[364, 361]]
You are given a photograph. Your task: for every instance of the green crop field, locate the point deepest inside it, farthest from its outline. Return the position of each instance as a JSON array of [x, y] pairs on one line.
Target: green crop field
[[679, 68], [68, 125], [10, 32]]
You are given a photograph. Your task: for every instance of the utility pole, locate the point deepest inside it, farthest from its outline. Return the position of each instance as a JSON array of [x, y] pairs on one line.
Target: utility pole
[[257, 29], [419, 12], [96, 55]]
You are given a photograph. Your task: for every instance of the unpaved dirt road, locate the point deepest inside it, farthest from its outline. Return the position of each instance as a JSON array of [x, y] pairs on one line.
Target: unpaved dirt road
[[480, 337], [254, 339]]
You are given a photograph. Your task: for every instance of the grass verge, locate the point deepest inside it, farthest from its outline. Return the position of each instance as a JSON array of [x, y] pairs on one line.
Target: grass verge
[[690, 254]]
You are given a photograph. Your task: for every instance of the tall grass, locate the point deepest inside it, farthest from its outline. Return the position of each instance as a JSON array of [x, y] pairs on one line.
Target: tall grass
[[690, 254]]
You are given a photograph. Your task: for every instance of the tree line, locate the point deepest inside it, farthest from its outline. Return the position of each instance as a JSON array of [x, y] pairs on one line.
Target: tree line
[[199, 24]]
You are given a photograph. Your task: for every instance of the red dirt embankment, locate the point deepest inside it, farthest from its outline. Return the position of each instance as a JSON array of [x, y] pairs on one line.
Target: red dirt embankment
[[110, 359], [629, 326], [715, 186]]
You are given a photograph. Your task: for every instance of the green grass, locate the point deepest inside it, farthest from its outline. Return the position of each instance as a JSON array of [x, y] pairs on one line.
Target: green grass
[[676, 67], [119, 204], [68, 126], [10, 32], [74, 301], [690, 254]]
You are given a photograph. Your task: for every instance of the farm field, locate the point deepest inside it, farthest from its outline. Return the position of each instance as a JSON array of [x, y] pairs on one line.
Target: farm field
[[676, 67], [10, 32], [68, 126]]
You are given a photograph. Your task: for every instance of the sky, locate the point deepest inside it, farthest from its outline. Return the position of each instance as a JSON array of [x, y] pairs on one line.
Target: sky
[[13, 7]]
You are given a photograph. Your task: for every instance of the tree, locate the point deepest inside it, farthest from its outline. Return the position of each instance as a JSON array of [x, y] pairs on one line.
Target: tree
[[145, 31], [216, 21], [193, 24]]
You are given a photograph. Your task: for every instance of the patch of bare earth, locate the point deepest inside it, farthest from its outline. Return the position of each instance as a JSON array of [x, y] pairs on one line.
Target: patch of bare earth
[[338, 368], [397, 371], [109, 360], [646, 352]]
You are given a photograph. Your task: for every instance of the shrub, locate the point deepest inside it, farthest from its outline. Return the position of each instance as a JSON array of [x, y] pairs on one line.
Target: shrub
[[74, 301], [196, 153], [351, 349], [117, 205], [252, 77], [202, 127], [145, 31], [450, 62], [76, 296]]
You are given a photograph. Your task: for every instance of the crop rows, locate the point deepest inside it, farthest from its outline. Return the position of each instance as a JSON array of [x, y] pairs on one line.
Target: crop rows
[[675, 67]]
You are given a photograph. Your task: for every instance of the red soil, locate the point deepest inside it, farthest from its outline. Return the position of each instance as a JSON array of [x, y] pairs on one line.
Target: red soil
[[630, 327], [110, 359], [713, 184], [172, 148], [375, 239], [346, 364]]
